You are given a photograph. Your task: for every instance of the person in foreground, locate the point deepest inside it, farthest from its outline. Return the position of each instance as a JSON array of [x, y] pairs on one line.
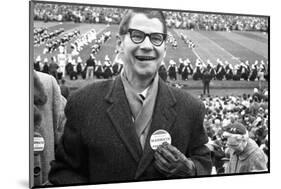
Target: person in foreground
[[245, 154], [115, 128], [48, 125]]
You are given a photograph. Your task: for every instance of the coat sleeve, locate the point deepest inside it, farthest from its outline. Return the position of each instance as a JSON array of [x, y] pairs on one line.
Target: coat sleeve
[[70, 164], [259, 162], [199, 153]]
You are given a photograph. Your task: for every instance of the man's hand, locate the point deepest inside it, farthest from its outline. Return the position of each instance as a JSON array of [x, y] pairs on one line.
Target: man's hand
[[171, 162]]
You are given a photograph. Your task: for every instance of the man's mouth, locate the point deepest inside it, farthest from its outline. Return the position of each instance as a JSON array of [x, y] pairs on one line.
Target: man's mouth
[[145, 58]]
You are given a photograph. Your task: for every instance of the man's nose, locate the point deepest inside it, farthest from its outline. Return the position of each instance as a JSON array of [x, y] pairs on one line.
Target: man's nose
[[146, 44]]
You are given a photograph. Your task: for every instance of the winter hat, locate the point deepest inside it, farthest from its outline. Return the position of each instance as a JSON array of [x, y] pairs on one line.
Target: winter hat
[[235, 128]]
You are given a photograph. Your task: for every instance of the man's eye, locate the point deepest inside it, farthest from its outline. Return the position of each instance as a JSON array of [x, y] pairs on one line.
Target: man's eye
[[156, 38], [137, 35]]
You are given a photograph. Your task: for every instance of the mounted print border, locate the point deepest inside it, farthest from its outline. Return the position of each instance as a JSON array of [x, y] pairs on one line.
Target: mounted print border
[[75, 50]]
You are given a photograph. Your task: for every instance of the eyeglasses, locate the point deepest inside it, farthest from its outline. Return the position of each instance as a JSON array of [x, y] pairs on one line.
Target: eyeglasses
[[138, 36]]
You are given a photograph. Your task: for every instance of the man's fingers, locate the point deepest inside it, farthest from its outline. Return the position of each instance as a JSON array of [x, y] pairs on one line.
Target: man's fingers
[[173, 150], [161, 168], [162, 161], [167, 154]]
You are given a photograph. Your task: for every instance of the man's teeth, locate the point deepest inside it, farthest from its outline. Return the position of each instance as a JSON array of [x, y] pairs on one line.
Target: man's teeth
[[145, 57]]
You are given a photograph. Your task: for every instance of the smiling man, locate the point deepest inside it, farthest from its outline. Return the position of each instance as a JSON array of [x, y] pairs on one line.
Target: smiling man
[[134, 127]]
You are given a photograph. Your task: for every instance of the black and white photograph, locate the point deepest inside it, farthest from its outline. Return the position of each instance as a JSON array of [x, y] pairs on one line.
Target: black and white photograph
[[123, 94]]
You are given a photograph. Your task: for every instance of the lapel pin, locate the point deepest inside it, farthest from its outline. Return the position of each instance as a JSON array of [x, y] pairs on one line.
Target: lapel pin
[[39, 144], [158, 137]]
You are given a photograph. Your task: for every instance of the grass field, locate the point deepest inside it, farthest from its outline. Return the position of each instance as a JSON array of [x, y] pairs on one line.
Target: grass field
[[233, 47]]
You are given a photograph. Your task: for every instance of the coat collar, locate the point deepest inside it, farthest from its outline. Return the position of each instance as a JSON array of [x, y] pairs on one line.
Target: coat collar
[[250, 148], [163, 117], [120, 114]]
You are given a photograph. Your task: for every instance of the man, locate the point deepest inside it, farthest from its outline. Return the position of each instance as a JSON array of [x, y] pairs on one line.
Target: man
[[197, 71], [107, 67], [48, 124], [172, 70], [162, 71], [62, 58], [53, 67], [245, 154], [37, 64], [185, 71], [113, 125], [65, 91], [220, 71], [73, 73], [206, 79], [229, 71], [46, 66], [99, 70], [117, 64], [91, 65]]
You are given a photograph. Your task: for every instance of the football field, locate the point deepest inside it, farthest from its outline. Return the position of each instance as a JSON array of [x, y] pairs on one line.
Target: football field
[[234, 47]]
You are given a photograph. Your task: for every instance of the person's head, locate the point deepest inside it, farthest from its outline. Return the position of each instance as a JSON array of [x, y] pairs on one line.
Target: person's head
[[142, 41], [237, 136], [62, 81]]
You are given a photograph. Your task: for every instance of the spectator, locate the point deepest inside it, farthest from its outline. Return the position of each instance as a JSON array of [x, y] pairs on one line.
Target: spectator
[[48, 124], [206, 79], [64, 89], [245, 155]]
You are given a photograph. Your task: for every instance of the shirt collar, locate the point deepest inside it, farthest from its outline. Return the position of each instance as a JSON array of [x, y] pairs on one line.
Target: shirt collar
[[144, 92]]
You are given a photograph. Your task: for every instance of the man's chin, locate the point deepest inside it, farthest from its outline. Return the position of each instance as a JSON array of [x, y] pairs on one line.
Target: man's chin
[[146, 74]]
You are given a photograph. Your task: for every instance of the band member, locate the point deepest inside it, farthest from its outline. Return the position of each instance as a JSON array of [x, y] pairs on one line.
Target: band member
[[172, 70], [162, 71], [229, 71], [220, 71], [197, 71]]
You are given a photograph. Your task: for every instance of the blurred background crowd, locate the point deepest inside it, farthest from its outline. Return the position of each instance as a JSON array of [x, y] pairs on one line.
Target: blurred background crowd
[[183, 20]]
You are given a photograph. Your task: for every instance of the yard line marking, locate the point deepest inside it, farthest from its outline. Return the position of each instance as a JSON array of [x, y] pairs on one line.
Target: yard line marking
[[197, 55], [193, 50], [221, 48]]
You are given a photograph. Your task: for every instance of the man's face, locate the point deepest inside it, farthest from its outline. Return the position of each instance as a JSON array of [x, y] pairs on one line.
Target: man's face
[[143, 59], [236, 143]]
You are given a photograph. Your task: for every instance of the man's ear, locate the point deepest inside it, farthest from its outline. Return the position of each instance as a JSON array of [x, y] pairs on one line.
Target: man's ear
[[119, 44]]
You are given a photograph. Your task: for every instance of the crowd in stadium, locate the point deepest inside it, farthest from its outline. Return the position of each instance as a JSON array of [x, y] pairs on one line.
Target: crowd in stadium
[[216, 22], [249, 109], [76, 13], [183, 20]]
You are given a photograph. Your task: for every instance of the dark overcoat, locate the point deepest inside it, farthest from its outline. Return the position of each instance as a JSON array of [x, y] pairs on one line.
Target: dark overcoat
[[100, 145]]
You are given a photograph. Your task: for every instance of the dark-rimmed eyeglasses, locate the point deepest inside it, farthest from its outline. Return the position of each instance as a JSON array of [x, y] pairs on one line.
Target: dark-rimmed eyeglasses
[[138, 36]]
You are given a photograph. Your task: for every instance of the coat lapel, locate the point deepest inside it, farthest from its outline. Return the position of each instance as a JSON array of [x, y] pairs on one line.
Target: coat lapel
[[120, 115], [163, 118]]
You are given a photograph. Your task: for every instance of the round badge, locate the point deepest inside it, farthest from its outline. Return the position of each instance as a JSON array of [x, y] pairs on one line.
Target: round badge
[[158, 137], [38, 144]]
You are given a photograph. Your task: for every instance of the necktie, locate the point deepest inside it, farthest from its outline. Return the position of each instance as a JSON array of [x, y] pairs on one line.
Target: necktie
[[142, 97]]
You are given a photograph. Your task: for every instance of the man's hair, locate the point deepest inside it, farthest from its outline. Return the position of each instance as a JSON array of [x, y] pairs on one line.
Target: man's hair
[[124, 24]]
